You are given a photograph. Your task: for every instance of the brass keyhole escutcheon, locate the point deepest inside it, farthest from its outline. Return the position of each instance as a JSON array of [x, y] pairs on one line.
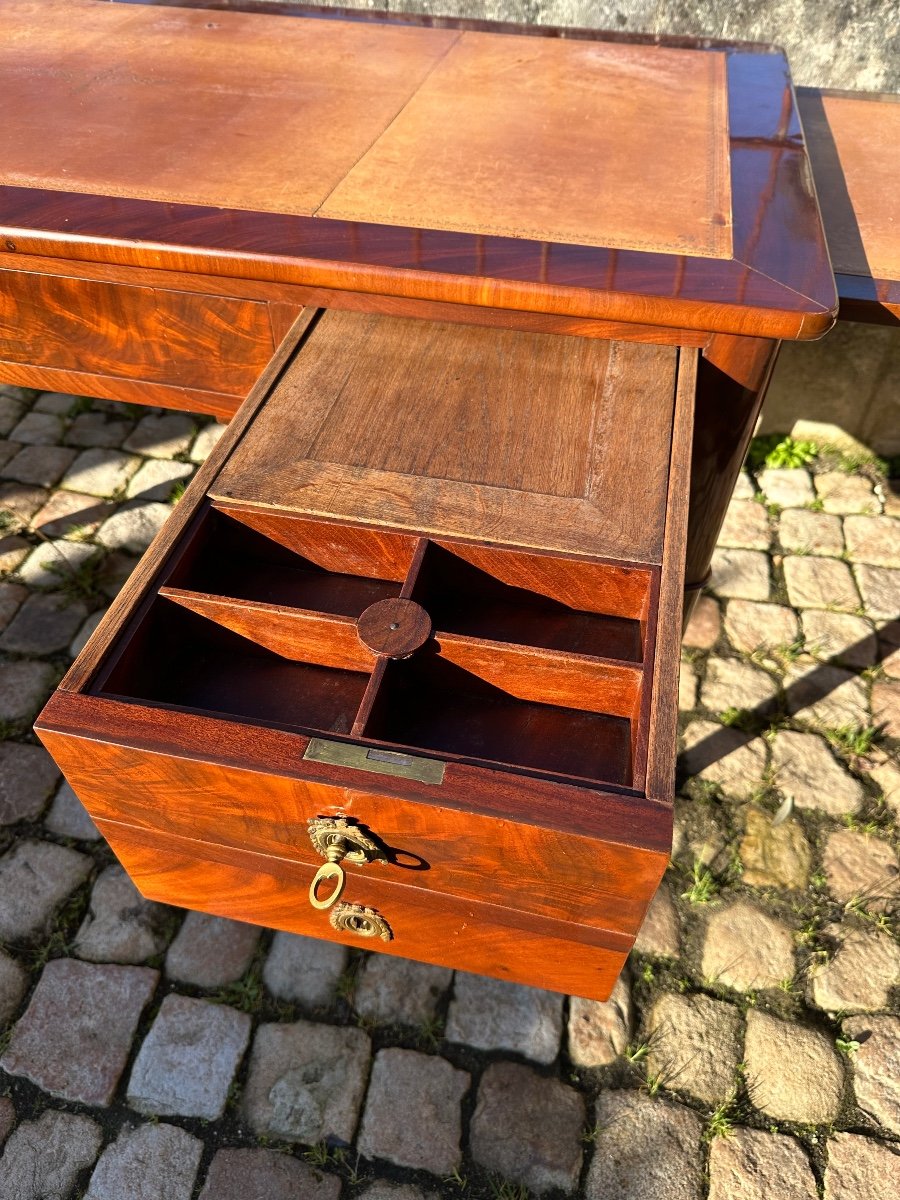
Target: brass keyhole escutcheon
[[337, 841], [364, 922]]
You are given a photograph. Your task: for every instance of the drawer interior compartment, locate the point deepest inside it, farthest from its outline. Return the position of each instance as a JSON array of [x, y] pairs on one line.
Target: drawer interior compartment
[[181, 660], [433, 704], [533, 661], [535, 600]]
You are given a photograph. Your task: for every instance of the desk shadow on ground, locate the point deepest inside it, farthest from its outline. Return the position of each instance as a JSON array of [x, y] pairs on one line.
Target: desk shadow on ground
[[814, 686]]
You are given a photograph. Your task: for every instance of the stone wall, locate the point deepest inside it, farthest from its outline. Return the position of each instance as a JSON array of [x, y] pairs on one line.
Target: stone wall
[[830, 43], [852, 378]]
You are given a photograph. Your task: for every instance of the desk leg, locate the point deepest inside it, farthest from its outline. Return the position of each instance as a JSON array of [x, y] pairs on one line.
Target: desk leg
[[732, 377]]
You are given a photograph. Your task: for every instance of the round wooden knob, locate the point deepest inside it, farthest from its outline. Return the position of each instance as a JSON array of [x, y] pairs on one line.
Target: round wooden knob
[[394, 628]]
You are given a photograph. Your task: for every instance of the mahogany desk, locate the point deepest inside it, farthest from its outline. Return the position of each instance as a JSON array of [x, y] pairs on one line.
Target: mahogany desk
[[543, 261]]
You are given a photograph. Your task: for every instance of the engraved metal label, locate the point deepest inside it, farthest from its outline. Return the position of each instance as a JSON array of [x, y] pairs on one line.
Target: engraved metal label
[[382, 762]]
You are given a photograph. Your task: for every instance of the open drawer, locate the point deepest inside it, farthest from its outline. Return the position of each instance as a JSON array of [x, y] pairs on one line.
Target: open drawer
[[468, 702]]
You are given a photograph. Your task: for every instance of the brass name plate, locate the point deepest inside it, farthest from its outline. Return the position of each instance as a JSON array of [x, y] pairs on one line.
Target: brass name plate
[[371, 758]]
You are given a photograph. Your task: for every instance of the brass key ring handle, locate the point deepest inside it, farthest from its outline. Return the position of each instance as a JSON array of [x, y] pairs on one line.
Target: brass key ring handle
[[337, 841]]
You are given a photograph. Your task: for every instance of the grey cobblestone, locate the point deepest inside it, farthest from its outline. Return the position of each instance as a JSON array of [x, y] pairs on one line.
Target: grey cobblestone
[[11, 596], [528, 1129], [864, 967], [13, 985], [874, 540], [660, 934], [880, 590], [21, 500], [304, 970], [805, 769], [397, 990], [752, 1165], [600, 1031], [413, 1116], [825, 695], [732, 760], [886, 707], [820, 583], [49, 564], [265, 1175], [861, 868], [876, 1067], [27, 777], [41, 465], [134, 526], [24, 686], [731, 683], [794, 1072], [161, 436], [75, 1036], [844, 494], [841, 637], [35, 878], [44, 1158], [120, 926], [188, 1059], [99, 472], [97, 430], [156, 479], [68, 512], [151, 1162], [210, 952], [205, 442], [804, 532], [37, 429], [746, 526], [44, 624], [740, 574], [80, 640], [491, 1014], [788, 487], [745, 947], [860, 1169], [69, 818], [751, 626], [306, 1082], [645, 1149], [705, 624], [695, 1045], [60, 403]]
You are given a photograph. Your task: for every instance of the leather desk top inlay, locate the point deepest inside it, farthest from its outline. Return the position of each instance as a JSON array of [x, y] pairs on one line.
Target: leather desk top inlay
[[430, 128]]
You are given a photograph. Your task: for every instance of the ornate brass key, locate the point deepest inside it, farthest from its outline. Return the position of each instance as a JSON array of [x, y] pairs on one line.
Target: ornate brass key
[[337, 841]]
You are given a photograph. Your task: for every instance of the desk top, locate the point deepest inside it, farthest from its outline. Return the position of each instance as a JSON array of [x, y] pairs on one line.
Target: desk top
[[855, 144], [579, 175]]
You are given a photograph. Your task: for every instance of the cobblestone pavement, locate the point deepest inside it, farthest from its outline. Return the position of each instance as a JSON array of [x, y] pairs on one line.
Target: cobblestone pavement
[[752, 1049]]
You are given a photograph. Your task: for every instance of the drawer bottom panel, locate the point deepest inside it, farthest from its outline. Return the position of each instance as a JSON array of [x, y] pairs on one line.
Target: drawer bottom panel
[[441, 930]]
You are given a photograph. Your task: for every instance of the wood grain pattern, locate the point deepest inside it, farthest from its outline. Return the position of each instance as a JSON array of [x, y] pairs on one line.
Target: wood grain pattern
[[285, 299], [478, 937], [778, 283], [322, 638], [264, 806], [523, 437], [126, 391], [531, 673], [662, 727], [333, 546], [138, 586], [205, 344]]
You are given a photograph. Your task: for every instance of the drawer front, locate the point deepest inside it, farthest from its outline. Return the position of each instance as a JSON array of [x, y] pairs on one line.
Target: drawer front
[[483, 939], [439, 848], [155, 343]]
